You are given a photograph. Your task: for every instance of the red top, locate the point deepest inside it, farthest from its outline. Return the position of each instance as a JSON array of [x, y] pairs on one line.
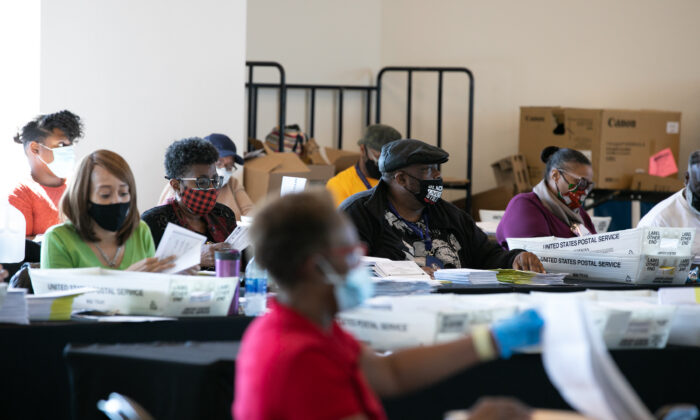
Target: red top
[[38, 203], [289, 368]]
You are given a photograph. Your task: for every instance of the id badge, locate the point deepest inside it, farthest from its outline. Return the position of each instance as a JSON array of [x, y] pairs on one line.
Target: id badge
[[433, 262]]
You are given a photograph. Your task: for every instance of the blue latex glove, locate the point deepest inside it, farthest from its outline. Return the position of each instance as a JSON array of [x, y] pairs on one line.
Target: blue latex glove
[[519, 331]]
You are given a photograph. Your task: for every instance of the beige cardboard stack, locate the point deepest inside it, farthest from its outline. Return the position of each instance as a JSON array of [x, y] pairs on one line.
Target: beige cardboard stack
[[618, 142]]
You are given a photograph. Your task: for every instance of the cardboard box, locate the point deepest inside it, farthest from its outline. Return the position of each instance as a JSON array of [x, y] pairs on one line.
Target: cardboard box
[[341, 159], [646, 182], [493, 199], [263, 175], [618, 142], [512, 172]]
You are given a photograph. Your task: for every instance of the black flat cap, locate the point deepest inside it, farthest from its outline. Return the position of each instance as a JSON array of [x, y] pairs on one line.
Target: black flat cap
[[399, 154]]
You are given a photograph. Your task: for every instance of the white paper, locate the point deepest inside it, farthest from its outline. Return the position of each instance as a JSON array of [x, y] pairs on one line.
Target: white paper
[[183, 243], [673, 127], [291, 184], [579, 366], [399, 269], [238, 239]]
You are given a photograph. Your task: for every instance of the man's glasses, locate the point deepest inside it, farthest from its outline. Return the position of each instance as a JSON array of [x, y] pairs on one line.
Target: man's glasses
[[581, 184], [205, 183]]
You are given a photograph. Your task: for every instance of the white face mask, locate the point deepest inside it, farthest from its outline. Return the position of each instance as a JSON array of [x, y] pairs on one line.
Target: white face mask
[[63, 160], [226, 175]]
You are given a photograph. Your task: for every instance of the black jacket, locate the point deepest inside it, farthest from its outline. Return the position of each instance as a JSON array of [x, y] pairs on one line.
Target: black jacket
[[367, 208]]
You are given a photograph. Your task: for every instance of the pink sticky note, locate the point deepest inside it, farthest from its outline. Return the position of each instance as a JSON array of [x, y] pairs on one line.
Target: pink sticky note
[[663, 163]]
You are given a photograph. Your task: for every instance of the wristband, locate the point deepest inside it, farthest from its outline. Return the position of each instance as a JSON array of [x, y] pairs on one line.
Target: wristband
[[483, 343]]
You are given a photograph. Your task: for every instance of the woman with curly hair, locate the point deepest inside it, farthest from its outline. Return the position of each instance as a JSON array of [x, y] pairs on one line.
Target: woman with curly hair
[[48, 144], [190, 165]]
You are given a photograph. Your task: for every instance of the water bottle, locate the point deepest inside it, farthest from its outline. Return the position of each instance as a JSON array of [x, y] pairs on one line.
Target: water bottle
[[255, 289], [12, 231]]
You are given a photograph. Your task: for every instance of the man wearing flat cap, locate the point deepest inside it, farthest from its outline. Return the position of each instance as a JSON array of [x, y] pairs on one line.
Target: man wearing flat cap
[[365, 173], [404, 218]]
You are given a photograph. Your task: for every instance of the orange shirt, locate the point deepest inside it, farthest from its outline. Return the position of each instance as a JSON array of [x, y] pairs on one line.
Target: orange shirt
[[347, 183], [38, 203]]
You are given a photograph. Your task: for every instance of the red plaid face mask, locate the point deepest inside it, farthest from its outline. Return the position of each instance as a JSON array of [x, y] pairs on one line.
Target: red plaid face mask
[[200, 201]]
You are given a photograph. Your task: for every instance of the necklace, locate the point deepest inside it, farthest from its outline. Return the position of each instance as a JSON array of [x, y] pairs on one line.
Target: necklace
[[112, 262]]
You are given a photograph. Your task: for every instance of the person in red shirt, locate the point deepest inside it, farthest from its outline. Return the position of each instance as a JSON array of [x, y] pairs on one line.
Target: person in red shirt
[[296, 362], [48, 144]]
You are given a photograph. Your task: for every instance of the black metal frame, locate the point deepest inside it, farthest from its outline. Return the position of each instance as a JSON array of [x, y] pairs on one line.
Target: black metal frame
[[409, 102], [282, 86], [253, 99]]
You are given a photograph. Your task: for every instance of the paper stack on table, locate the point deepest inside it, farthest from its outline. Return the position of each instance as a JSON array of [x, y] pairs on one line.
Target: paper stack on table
[[466, 276], [54, 306], [397, 278], [642, 256], [14, 307], [3, 292], [529, 277], [399, 269], [184, 244]]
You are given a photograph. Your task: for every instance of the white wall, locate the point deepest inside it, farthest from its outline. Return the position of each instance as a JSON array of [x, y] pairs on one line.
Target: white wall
[[19, 83], [142, 74], [610, 54], [317, 41], [621, 54]]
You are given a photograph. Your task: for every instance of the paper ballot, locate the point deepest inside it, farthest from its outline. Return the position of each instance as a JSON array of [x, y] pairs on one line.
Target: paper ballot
[[238, 239], [291, 184], [183, 243], [580, 367]]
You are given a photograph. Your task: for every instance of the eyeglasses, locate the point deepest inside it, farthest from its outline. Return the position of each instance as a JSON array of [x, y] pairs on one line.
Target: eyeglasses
[[205, 183], [353, 253], [582, 184]]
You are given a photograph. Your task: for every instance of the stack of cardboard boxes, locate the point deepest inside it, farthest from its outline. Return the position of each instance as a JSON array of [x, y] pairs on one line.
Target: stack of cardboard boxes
[[619, 143], [262, 175]]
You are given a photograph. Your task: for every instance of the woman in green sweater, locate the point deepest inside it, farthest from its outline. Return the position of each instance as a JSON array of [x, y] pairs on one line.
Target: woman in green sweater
[[103, 227]]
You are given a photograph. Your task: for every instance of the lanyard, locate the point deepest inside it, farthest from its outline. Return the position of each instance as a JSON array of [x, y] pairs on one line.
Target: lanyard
[[362, 176], [424, 236]]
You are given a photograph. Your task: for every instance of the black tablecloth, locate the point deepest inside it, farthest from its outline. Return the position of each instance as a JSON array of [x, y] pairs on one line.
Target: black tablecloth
[[166, 386], [33, 377], [569, 286]]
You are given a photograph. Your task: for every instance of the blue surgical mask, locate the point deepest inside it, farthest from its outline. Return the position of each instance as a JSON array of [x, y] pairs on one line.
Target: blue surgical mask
[[353, 290], [63, 160], [226, 175]]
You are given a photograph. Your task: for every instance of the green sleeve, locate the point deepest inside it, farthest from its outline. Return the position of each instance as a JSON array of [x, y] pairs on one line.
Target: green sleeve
[[147, 239], [54, 248]]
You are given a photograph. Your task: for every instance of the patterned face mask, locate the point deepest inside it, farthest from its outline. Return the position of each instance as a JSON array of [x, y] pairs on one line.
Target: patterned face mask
[[200, 202]]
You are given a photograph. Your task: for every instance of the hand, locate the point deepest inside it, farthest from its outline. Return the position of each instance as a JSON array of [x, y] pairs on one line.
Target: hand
[[528, 261], [192, 271], [499, 408], [3, 273], [429, 271], [519, 331], [153, 264], [208, 251]]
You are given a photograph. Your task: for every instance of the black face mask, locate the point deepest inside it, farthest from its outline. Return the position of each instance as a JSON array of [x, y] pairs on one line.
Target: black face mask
[[109, 217], [372, 167], [430, 190]]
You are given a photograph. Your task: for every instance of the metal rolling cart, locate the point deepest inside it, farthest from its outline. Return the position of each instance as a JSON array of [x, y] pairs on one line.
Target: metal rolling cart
[[282, 87]]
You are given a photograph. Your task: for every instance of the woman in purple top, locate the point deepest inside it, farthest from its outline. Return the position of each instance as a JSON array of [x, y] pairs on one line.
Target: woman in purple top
[[554, 207]]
